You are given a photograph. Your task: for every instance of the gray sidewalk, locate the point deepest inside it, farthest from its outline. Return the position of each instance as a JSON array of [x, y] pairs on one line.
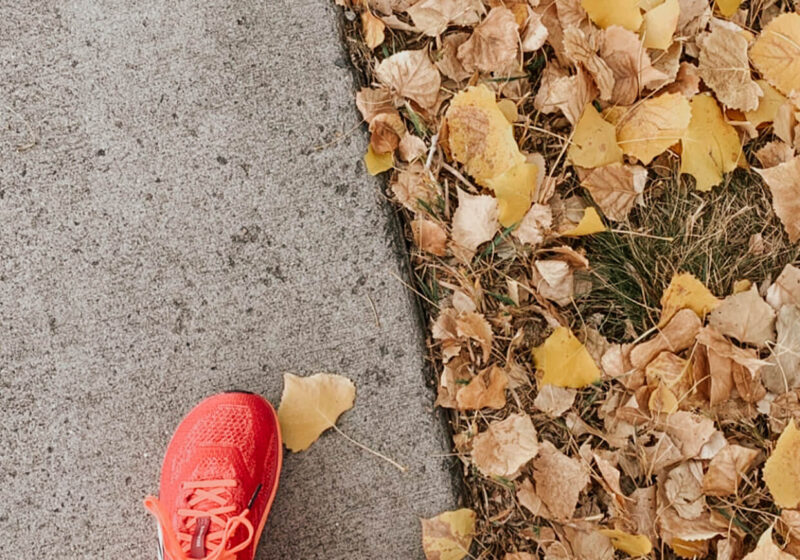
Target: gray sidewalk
[[174, 232]]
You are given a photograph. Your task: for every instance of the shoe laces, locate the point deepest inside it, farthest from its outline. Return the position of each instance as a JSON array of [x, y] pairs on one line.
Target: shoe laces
[[207, 516]]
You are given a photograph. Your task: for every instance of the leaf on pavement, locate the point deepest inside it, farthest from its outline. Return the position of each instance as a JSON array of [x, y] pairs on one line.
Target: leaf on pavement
[[505, 446], [564, 361], [474, 222], [725, 68], [615, 188], [782, 469], [746, 317], [783, 181], [410, 74], [448, 536]]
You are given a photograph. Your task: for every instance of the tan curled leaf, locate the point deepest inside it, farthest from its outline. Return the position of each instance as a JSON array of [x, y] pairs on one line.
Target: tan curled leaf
[[782, 469], [535, 32], [564, 361], [431, 17], [783, 181], [446, 58], [615, 188], [624, 13], [725, 68], [594, 142], [311, 405], [413, 187], [429, 236], [493, 44], [485, 390], [411, 147], [505, 447], [746, 317], [783, 370], [554, 400], [776, 53], [386, 129], [767, 549], [569, 94], [474, 222], [373, 101], [534, 226], [373, 29], [786, 288], [774, 153], [553, 279], [623, 52], [559, 480], [660, 23], [582, 49], [677, 335], [727, 468], [651, 126], [412, 75], [448, 536], [526, 494], [470, 324]]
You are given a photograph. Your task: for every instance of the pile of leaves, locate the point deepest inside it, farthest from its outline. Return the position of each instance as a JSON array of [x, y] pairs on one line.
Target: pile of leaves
[[516, 133]]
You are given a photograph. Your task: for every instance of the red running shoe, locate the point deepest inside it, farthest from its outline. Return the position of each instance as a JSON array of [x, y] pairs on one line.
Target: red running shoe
[[219, 479]]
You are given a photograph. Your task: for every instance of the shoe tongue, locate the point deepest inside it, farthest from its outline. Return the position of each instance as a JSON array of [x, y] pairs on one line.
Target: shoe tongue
[[198, 548]]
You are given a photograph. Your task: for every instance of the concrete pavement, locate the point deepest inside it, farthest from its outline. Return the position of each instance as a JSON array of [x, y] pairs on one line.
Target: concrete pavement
[[169, 229]]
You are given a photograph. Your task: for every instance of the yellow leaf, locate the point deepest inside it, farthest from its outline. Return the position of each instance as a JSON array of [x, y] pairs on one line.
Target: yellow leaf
[[590, 223], [514, 191], [710, 145], [624, 13], [632, 545], [662, 400], [782, 469], [728, 7], [689, 549], [378, 163], [564, 361], [686, 292], [651, 126], [509, 109], [768, 105], [311, 405], [448, 535], [776, 53], [594, 142], [660, 24], [741, 286], [373, 29]]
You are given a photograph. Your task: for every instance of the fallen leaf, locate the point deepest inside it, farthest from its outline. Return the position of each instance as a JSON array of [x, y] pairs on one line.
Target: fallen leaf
[[569, 94], [553, 279], [615, 188], [686, 292], [429, 236], [581, 49], [377, 163], [782, 469], [446, 58], [514, 190], [768, 105], [586, 542], [386, 129], [632, 545], [589, 224], [728, 7], [414, 188], [783, 372], [493, 44], [594, 141], [526, 494], [624, 13], [411, 74], [519, 556], [660, 24], [505, 446], [726, 469], [474, 222], [651, 126], [311, 405], [746, 317], [687, 81], [786, 288], [623, 52], [693, 18], [689, 432], [767, 549], [535, 33], [534, 225], [783, 181], [776, 53], [677, 335], [710, 146], [564, 361], [411, 147], [667, 62], [725, 68], [373, 101], [448, 536], [559, 480], [373, 29], [431, 17], [683, 489], [554, 400], [485, 390], [470, 324], [774, 153]]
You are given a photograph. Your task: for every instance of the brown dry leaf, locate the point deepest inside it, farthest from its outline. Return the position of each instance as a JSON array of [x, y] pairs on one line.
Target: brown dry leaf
[[373, 101], [411, 74], [767, 549], [446, 58], [689, 432], [783, 371], [448, 536], [553, 400], [553, 279], [429, 236], [475, 221], [746, 317], [725, 68], [683, 489], [413, 187], [485, 390], [642, 509], [660, 23], [726, 469], [581, 49], [431, 17], [535, 33], [373, 29], [311, 405], [456, 372], [668, 63], [686, 292], [789, 527], [505, 447], [493, 44], [594, 141], [776, 53], [677, 335], [746, 357], [693, 18], [559, 480], [586, 542], [768, 105], [615, 188], [774, 153], [526, 494], [411, 147], [624, 13], [782, 469], [535, 225], [564, 361], [519, 556], [687, 81], [786, 289], [628, 60], [783, 181], [473, 325], [386, 129], [569, 94], [651, 126]]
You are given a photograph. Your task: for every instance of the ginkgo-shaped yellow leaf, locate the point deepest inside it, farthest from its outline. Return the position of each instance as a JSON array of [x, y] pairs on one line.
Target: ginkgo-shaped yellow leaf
[[728, 7], [564, 361], [710, 146], [311, 405], [776, 53], [782, 469], [378, 163], [632, 545], [590, 223], [767, 106], [686, 292], [660, 24], [448, 536], [594, 142], [624, 13], [514, 192]]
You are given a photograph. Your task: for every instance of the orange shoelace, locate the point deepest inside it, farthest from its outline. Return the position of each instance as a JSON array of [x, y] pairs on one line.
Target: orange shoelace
[[210, 500]]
